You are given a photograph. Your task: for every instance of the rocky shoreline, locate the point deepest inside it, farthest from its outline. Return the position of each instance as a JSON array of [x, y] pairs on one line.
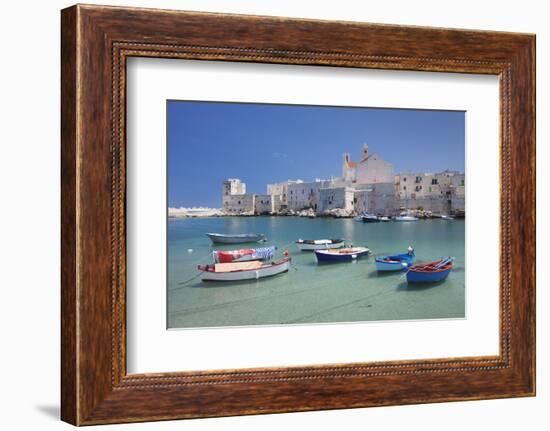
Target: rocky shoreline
[[309, 213]]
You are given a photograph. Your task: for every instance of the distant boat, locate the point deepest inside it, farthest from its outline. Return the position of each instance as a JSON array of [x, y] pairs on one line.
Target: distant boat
[[220, 238], [244, 255], [237, 271], [385, 219], [319, 244], [369, 218], [430, 272], [395, 262], [341, 255], [405, 216], [447, 217]]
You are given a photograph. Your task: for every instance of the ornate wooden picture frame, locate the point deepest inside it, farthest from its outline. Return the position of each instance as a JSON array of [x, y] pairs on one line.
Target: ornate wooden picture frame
[[96, 41]]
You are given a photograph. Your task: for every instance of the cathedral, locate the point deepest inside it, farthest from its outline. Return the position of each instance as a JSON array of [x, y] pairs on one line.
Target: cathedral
[[371, 169]]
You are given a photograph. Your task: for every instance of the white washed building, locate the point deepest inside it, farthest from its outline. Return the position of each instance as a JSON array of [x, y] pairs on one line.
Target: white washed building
[[371, 169], [430, 192], [302, 195], [239, 204], [336, 197], [378, 199], [263, 204]]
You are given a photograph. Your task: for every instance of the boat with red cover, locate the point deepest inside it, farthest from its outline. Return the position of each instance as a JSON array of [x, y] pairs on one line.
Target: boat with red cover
[[244, 255]]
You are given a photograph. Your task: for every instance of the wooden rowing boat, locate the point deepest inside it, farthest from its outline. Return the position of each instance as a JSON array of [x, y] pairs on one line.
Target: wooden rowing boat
[[220, 238], [237, 271], [395, 262], [341, 255], [430, 272], [319, 244]]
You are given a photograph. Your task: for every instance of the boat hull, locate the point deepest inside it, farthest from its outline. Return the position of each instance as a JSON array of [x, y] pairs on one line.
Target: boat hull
[[255, 274], [405, 219], [326, 256], [303, 246], [217, 238], [392, 266], [371, 220], [427, 277], [430, 272]]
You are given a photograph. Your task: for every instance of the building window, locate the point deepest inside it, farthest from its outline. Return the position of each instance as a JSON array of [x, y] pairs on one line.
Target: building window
[[434, 181], [430, 189], [239, 202], [404, 187], [461, 182], [418, 180], [405, 179]]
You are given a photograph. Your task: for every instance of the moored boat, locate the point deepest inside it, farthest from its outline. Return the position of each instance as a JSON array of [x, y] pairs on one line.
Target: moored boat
[[319, 244], [405, 217], [369, 218], [341, 255], [447, 217], [244, 255], [385, 218], [395, 262], [430, 272], [220, 238], [237, 271]]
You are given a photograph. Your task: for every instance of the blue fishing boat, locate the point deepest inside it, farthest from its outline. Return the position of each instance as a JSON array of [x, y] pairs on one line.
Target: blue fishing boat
[[430, 272], [395, 262], [342, 254]]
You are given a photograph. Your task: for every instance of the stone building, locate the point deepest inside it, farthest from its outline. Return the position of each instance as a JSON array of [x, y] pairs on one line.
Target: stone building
[[371, 169], [264, 204], [377, 199], [302, 195], [368, 185], [336, 198], [433, 192]]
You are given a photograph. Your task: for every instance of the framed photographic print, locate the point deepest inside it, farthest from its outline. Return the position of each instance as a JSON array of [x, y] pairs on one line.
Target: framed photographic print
[[268, 215]]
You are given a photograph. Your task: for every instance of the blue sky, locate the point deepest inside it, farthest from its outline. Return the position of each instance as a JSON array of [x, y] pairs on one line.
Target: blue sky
[[263, 143]]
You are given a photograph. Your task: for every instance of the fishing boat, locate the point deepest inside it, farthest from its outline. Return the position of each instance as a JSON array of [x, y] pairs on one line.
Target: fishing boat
[[431, 272], [370, 218], [447, 217], [220, 238], [319, 244], [405, 217], [385, 219], [341, 255], [395, 262], [244, 255], [237, 271]]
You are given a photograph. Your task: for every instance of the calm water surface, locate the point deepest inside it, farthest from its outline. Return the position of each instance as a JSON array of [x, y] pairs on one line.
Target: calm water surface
[[312, 293]]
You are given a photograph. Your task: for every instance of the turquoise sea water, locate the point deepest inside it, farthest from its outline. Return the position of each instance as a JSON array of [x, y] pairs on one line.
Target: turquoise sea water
[[312, 293]]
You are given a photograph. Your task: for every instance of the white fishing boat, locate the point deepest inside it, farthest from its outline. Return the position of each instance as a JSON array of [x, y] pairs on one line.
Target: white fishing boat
[[319, 244], [341, 255], [447, 217], [237, 271], [405, 217], [220, 238], [385, 219]]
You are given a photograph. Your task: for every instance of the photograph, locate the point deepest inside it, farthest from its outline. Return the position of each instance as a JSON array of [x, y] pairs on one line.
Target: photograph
[[283, 214]]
